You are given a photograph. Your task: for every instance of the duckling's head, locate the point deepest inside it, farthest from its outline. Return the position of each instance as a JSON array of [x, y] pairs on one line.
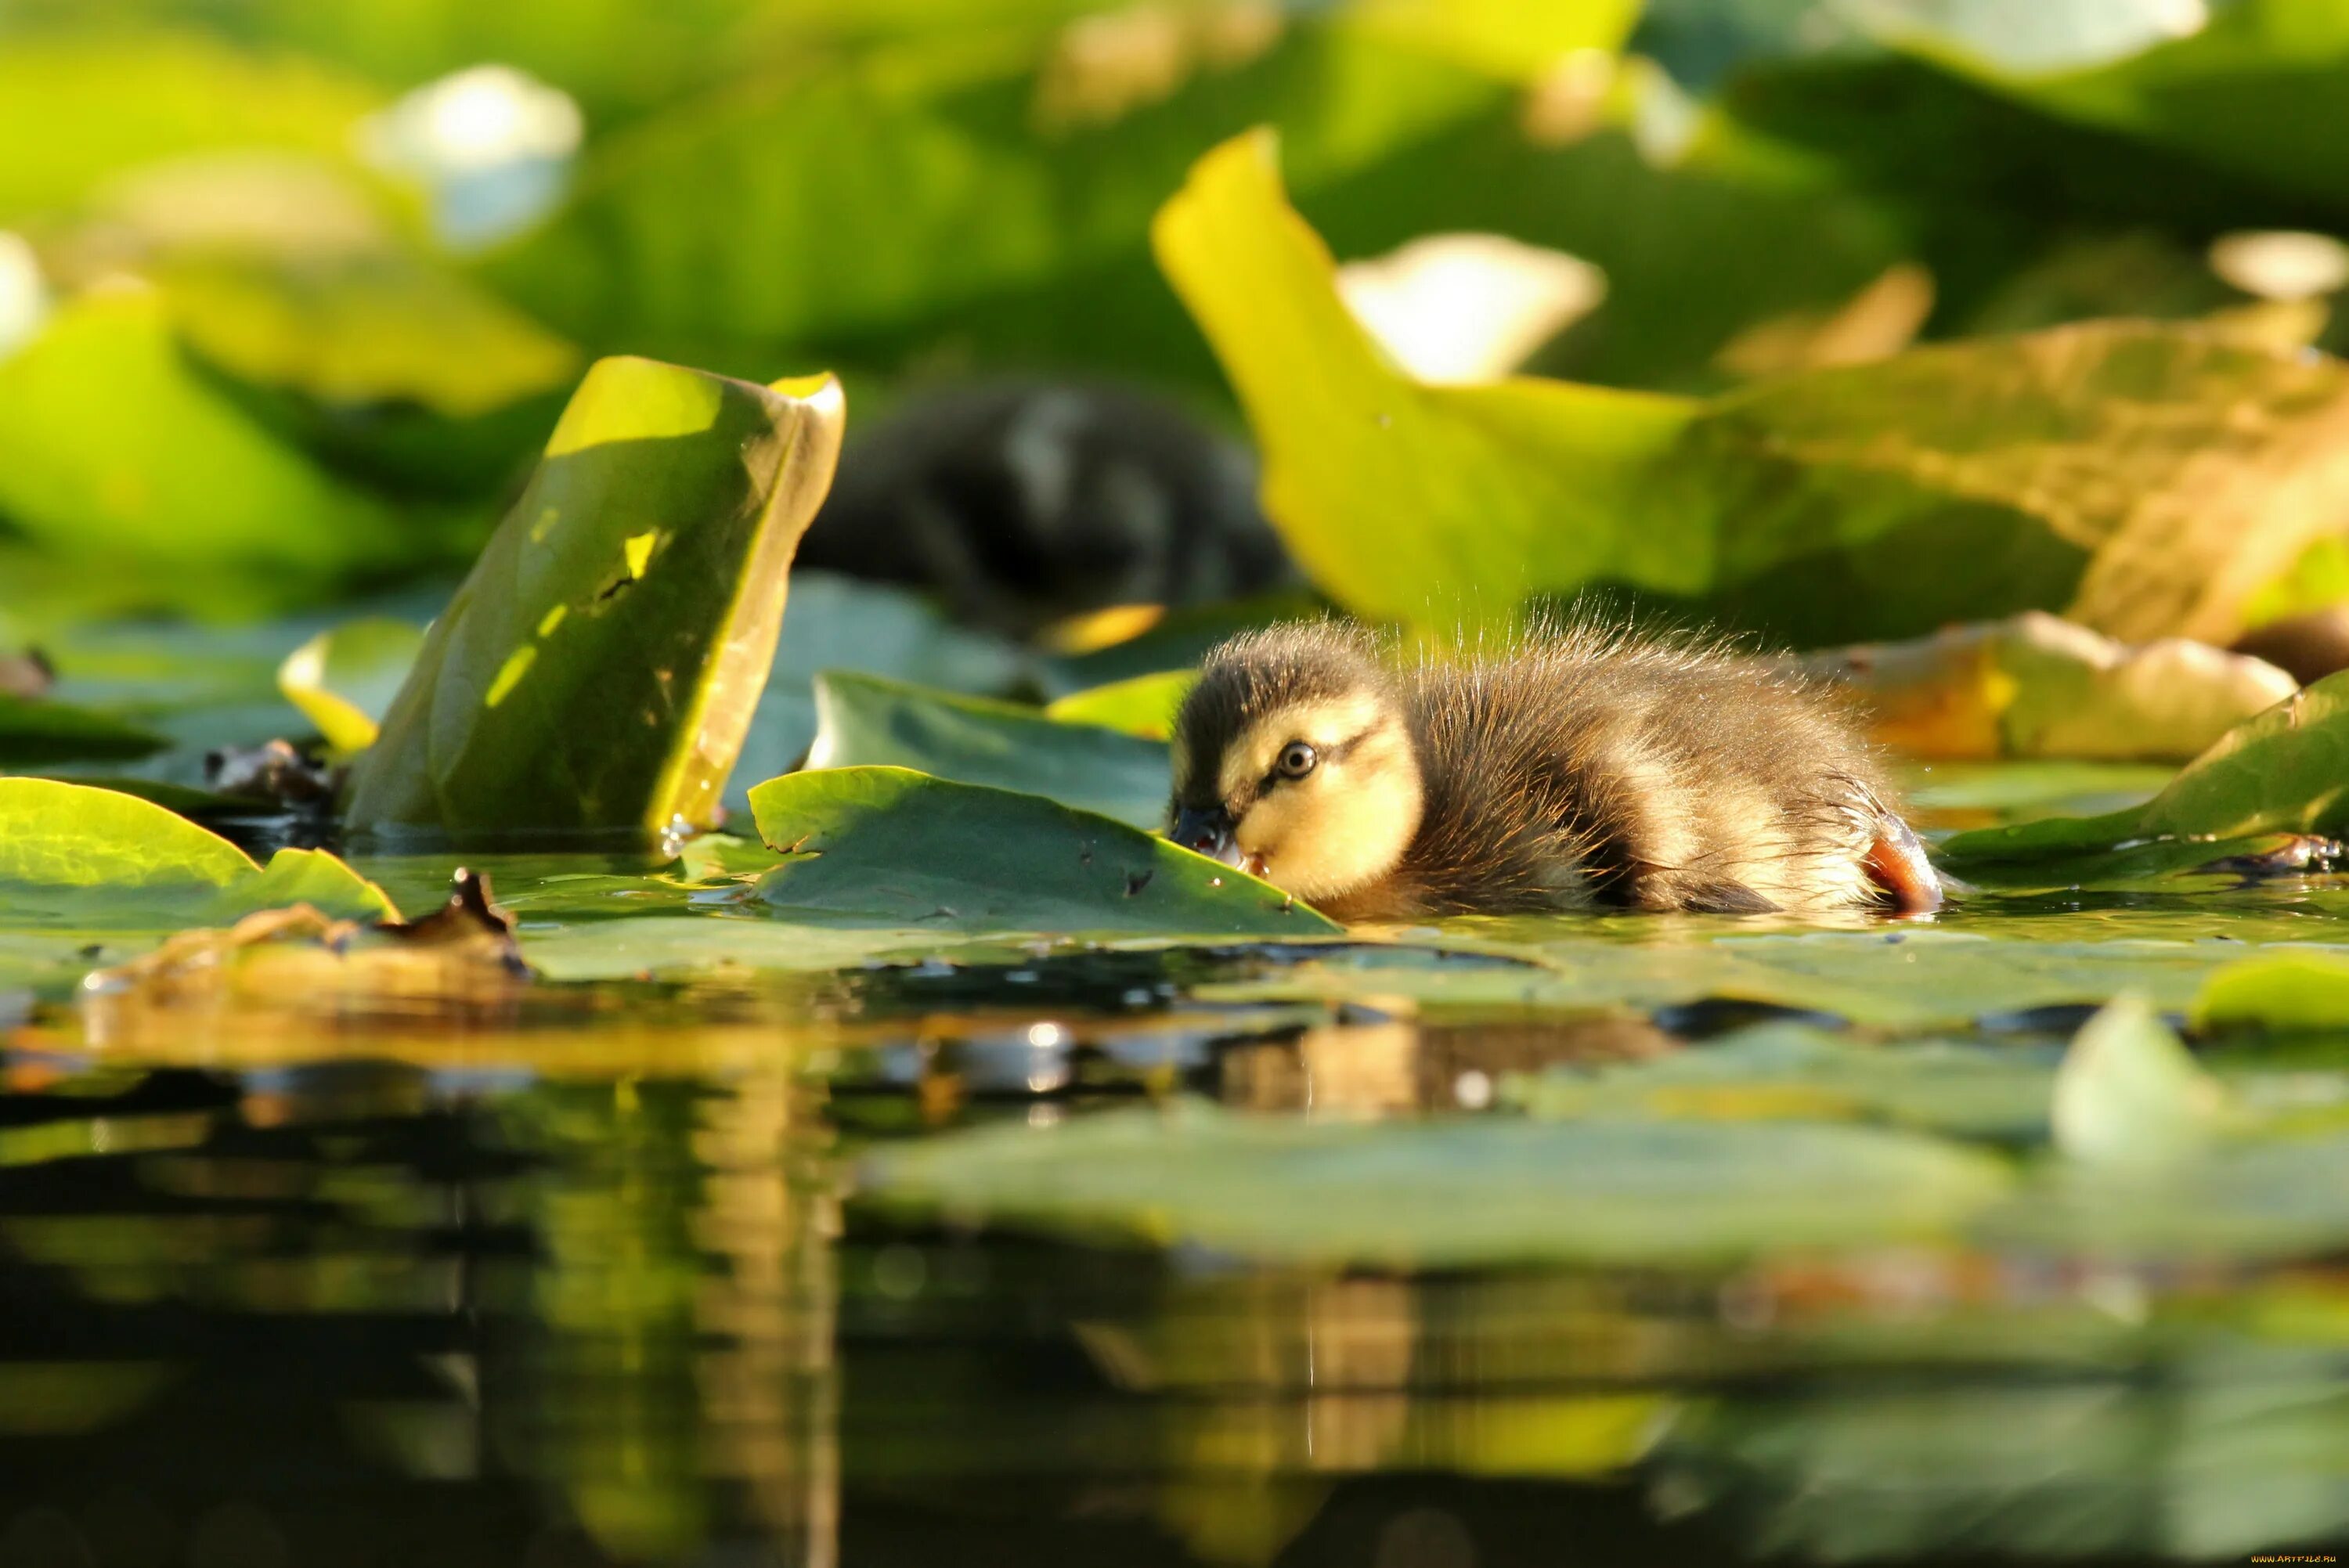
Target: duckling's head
[[1293, 760]]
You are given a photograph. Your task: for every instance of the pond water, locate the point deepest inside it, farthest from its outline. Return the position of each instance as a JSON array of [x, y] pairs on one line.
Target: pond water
[[756, 1258]]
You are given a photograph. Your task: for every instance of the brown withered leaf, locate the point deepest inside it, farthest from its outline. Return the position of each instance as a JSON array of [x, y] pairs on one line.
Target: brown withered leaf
[[461, 957], [25, 676]]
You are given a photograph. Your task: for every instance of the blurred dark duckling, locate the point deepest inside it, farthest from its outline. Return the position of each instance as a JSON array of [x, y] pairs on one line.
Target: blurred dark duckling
[[1020, 503], [1577, 768]]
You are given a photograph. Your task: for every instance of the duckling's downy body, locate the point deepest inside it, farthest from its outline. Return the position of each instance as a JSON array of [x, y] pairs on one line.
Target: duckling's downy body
[[1576, 770]]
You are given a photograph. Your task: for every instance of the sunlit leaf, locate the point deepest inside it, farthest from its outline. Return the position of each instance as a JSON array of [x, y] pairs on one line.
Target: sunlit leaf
[[2032, 686], [2129, 1094], [203, 488], [379, 328], [863, 720], [84, 857], [76, 109], [344, 679], [2284, 990], [2107, 468], [1450, 1194], [1139, 704], [890, 846], [600, 665], [2284, 771]]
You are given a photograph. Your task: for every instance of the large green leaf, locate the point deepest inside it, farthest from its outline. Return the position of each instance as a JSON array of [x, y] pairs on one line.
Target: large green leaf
[[600, 665], [722, 228], [76, 109], [2258, 87], [865, 720], [114, 449], [2106, 468], [89, 858], [1452, 1194], [2285, 771], [892, 847]]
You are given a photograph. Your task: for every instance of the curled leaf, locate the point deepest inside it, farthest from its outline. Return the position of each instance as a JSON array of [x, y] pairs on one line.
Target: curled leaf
[[599, 667]]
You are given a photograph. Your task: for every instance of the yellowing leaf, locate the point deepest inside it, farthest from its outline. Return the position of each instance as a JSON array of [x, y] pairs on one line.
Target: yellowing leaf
[[2036, 687], [2146, 477], [2284, 771]]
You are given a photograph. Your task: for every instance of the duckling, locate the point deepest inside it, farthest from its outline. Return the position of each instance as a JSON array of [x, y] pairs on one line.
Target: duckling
[[1577, 768]]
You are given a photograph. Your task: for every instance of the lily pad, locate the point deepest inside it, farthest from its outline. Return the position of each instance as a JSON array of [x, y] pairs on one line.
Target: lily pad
[[37, 733], [2284, 989], [1795, 1072], [2284, 771], [2130, 1094], [89, 858], [600, 665], [344, 679], [862, 720], [2106, 466], [892, 846], [1451, 1194]]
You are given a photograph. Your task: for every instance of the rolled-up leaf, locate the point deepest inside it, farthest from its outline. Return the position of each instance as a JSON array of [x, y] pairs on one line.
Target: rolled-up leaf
[[598, 668]]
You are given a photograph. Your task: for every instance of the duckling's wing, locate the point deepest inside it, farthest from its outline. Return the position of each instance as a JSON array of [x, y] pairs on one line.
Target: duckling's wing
[[1724, 898]]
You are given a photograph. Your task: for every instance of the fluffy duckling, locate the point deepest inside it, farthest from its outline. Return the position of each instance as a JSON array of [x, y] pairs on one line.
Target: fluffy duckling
[[1577, 769]]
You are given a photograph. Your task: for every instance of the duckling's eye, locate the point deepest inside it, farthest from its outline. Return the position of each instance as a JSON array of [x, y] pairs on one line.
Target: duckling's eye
[[1297, 759]]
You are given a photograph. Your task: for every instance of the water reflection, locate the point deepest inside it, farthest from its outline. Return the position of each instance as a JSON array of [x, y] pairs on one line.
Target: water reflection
[[581, 1283]]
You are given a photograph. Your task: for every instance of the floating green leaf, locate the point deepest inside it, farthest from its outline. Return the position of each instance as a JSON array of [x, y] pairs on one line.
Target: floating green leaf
[[90, 859], [2130, 1094], [891, 846], [343, 680], [863, 720], [37, 733], [600, 665], [2285, 771], [1451, 1194], [1798, 1072], [2109, 466], [2285, 989]]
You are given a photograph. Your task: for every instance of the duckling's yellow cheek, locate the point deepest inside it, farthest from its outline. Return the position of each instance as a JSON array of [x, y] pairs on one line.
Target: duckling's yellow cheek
[[1270, 824]]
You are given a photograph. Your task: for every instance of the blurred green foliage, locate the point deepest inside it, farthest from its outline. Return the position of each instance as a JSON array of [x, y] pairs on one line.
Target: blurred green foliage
[[374, 268]]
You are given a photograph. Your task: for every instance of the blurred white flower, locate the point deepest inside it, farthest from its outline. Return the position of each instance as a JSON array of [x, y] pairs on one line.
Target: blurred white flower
[[24, 296], [2031, 37], [1464, 308], [2281, 264], [492, 145]]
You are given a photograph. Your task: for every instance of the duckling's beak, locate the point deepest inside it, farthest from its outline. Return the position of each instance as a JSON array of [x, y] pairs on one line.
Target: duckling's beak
[[1209, 832]]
